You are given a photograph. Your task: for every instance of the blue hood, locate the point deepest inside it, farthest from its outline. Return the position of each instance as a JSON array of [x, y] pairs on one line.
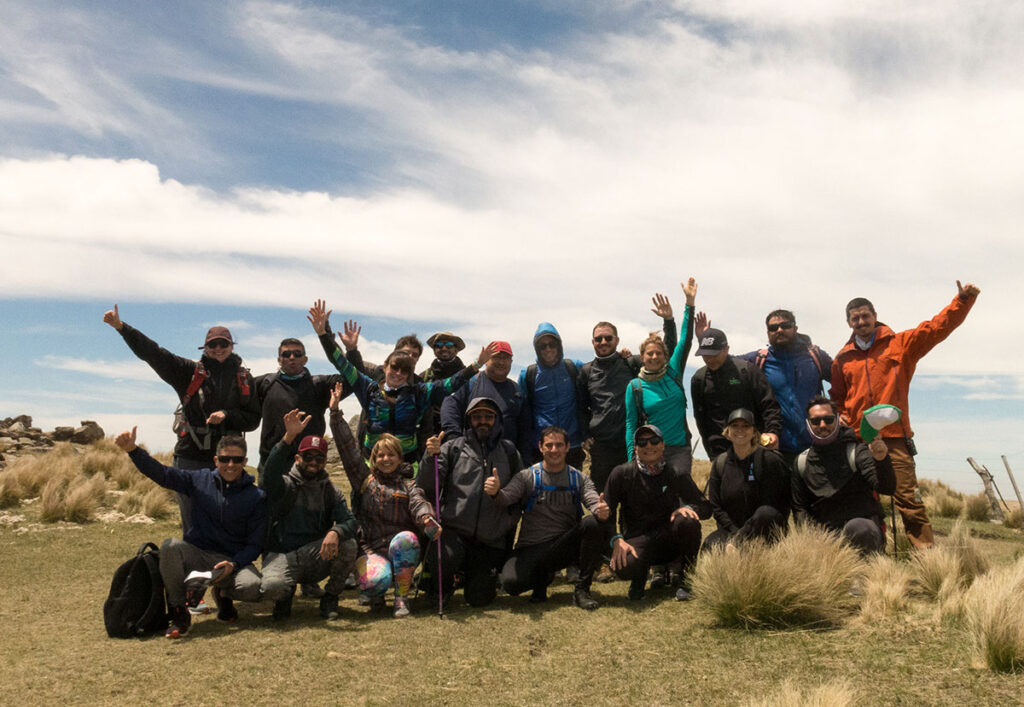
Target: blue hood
[[547, 329]]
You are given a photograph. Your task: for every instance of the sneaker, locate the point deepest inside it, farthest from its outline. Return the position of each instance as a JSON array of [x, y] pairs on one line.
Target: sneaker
[[605, 574], [658, 578], [226, 610], [683, 594], [180, 622], [312, 591], [539, 596], [351, 582], [329, 606], [581, 598], [199, 609], [364, 599], [636, 589], [401, 607]]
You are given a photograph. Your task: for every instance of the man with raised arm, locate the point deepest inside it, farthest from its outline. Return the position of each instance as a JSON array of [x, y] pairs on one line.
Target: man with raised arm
[[227, 526], [875, 367]]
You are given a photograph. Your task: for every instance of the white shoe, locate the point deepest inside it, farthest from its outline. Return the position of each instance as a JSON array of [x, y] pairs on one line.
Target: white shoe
[[199, 609]]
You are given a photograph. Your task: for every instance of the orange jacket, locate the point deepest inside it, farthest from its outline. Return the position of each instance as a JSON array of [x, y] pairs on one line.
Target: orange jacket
[[882, 374]]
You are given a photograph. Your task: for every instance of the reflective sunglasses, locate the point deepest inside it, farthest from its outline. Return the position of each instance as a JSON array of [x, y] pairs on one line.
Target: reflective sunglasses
[[444, 345], [644, 441], [224, 459], [827, 419], [603, 338], [781, 325], [547, 345], [218, 344], [292, 353]]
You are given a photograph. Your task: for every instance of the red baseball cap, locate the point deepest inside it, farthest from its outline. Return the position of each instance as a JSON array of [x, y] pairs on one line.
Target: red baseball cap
[[314, 443], [501, 347]]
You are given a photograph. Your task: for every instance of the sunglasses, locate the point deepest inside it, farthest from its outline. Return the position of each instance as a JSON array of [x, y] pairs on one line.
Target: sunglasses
[[218, 344], [223, 459], [314, 458], [292, 354], [781, 325], [547, 345], [827, 419], [444, 345], [644, 441], [603, 339]]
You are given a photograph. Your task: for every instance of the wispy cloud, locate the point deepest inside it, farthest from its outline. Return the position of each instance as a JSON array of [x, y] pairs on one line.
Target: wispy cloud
[[126, 370]]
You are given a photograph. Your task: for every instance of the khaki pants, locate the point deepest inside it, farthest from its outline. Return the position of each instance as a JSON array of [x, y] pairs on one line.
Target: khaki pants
[[915, 519]]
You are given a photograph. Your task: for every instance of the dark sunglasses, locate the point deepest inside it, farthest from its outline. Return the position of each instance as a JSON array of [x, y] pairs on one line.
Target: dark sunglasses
[[218, 344], [547, 345], [224, 459], [644, 441], [293, 353], [314, 458], [444, 345], [603, 338], [827, 419], [781, 325]]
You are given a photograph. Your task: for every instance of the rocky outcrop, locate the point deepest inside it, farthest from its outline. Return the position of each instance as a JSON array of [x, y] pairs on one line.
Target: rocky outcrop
[[18, 436]]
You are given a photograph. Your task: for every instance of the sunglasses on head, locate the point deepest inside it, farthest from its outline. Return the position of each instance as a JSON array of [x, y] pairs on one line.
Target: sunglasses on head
[[225, 459], [781, 325], [603, 338], [311, 458], [218, 344], [818, 419], [292, 353], [644, 441], [444, 345]]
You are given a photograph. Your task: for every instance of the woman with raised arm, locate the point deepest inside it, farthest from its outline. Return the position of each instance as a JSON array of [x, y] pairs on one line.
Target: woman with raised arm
[[396, 404], [657, 396], [389, 508]]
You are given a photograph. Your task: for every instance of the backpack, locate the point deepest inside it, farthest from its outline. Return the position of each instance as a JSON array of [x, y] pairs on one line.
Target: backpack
[[135, 606], [575, 484], [531, 376], [815, 353], [181, 425]]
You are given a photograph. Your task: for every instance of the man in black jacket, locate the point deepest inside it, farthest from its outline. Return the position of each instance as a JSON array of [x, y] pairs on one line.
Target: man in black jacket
[[727, 383]]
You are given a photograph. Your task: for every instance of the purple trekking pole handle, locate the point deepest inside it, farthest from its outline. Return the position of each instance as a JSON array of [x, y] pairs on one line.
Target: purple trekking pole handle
[[437, 538]]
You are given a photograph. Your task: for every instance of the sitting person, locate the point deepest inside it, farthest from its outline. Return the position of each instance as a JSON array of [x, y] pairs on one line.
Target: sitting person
[[228, 522], [390, 510], [554, 534], [312, 531], [835, 481], [658, 510], [748, 487], [478, 532]]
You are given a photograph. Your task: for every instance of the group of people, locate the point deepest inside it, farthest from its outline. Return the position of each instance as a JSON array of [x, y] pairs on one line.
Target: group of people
[[479, 476]]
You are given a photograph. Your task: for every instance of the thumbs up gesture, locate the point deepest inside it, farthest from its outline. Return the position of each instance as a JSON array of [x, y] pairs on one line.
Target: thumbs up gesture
[[602, 510], [493, 484]]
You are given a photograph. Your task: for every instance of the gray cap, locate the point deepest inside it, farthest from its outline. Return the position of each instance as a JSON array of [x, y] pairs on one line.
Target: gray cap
[[712, 342], [741, 414], [653, 429]]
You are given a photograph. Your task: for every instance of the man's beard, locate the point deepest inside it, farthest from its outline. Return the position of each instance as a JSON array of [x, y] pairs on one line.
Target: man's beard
[[483, 432]]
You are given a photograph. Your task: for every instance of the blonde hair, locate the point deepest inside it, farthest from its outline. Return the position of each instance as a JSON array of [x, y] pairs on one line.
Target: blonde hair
[[653, 338], [755, 441], [387, 441]]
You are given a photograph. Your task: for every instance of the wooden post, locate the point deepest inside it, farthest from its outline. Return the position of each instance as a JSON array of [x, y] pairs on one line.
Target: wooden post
[[1014, 482], [990, 490]]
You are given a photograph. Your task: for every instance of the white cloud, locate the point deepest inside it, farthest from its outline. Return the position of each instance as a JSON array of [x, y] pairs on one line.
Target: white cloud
[[130, 369]]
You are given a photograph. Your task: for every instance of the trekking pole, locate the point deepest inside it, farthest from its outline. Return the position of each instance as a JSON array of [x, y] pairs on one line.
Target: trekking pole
[[892, 509], [437, 540]]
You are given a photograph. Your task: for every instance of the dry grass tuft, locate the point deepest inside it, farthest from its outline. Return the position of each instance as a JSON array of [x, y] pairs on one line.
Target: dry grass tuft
[[942, 571], [803, 580], [832, 694], [943, 502], [74, 499], [995, 618], [100, 458], [1014, 519], [976, 507], [158, 503], [886, 588], [27, 476]]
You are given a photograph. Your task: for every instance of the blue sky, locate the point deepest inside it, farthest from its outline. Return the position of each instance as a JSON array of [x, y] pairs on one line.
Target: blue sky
[[485, 166]]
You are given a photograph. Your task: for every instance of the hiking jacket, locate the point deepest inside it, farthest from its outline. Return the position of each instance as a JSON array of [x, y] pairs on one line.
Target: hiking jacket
[[398, 413], [222, 389], [279, 395], [301, 510], [862, 379], [516, 424], [437, 371], [462, 467], [227, 518], [601, 386], [795, 379], [715, 394], [642, 504], [664, 400], [386, 504], [830, 493], [554, 511], [554, 400], [734, 495]]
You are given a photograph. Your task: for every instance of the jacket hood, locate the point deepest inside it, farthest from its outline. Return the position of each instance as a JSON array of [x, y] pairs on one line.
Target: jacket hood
[[547, 329], [491, 403], [882, 331]]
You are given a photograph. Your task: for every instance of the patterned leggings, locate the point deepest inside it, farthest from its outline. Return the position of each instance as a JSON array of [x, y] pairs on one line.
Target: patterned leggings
[[377, 573]]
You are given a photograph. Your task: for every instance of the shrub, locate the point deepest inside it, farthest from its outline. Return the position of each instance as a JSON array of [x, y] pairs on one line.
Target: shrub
[[51, 507], [99, 459], [976, 507], [83, 497], [995, 618], [802, 580], [1014, 519], [885, 586], [943, 570], [943, 502], [27, 476], [157, 503], [833, 694]]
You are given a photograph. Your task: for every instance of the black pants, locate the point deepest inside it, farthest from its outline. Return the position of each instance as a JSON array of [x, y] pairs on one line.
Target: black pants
[[533, 567], [605, 456], [479, 564], [767, 523], [679, 541]]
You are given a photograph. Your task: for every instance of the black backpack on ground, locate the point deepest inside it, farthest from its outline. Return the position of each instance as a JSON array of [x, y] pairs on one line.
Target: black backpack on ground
[[136, 606]]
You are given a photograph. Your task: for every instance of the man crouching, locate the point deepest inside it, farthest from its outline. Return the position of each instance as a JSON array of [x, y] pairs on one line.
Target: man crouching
[[228, 520]]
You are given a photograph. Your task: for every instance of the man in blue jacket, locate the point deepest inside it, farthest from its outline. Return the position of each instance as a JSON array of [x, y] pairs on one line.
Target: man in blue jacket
[[549, 389], [228, 525], [796, 370]]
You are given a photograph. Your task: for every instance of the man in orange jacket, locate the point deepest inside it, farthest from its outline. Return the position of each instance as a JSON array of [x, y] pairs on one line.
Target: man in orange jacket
[[875, 367]]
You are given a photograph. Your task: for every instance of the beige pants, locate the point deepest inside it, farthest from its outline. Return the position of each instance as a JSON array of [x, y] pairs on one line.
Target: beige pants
[[915, 518]]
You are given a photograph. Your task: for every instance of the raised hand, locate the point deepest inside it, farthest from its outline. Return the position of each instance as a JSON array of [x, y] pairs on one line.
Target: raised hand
[[690, 290], [336, 394], [112, 318], [294, 424], [485, 355], [433, 445], [968, 290], [701, 324], [319, 316], [126, 440], [662, 307], [493, 484], [350, 337], [602, 510], [620, 553]]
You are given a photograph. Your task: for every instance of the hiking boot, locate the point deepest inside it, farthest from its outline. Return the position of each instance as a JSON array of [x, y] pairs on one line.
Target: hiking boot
[[572, 574], [658, 577], [581, 598], [605, 574], [539, 595], [180, 622], [351, 582], [282, 609], [312, 591], [636, 589], [226, 610], [329, 606], [378, 602], [401, 607], [683, 594]]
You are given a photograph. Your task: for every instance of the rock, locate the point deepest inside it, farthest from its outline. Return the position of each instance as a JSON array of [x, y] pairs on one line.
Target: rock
[[25, 442], [16, 428], [62, 434], [88, 433], [25, 420]]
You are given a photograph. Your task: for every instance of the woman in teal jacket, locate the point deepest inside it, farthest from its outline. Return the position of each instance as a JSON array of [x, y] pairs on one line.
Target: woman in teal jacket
[[657, 395]]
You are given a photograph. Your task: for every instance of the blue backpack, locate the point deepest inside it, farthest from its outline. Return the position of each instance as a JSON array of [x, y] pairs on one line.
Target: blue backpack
[[575, 486]]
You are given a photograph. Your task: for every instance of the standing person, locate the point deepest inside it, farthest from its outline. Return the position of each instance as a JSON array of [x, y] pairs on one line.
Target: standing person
[[226, 529], [391, 512], [446, 347], [656, 396], [724, 384], [796, 370], [392, 405], [835, 481], [875, 367], [312, 531], [549, 388], [216, 392], [748, 487], [657, 510], [602, 384], [553, 534], [409, 344], [478, 532]]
